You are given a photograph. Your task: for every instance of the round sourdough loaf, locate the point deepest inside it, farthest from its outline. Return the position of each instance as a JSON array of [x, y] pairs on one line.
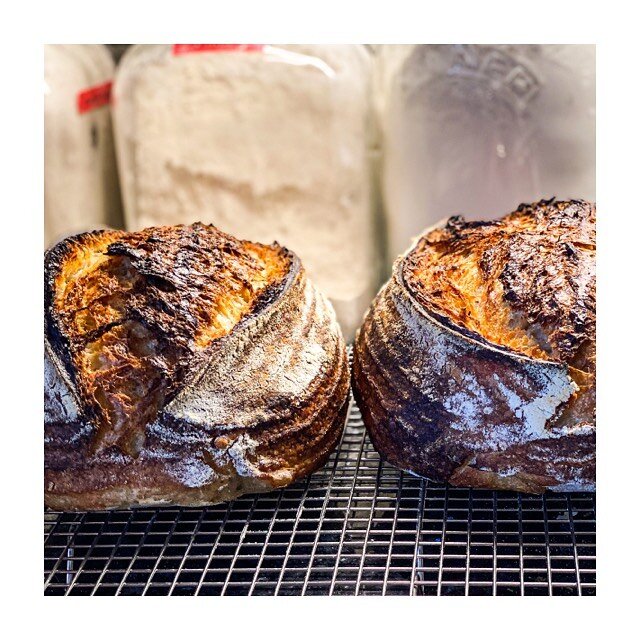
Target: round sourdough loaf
[[475, 364], [184, 366]]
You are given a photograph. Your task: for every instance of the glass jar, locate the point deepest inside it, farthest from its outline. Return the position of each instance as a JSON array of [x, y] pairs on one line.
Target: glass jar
[[478, 129], [268, 143], [81, 184]]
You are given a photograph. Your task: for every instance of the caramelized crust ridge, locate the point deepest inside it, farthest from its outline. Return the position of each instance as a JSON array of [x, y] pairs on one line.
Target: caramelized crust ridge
[[135, 312], [525, 282]]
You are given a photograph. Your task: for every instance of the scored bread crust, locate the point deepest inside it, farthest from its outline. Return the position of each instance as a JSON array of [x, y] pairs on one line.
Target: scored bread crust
[[476, 365], [260, 405]]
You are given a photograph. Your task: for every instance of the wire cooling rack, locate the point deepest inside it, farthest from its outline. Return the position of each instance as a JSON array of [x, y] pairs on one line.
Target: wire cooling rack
[[356, 527]]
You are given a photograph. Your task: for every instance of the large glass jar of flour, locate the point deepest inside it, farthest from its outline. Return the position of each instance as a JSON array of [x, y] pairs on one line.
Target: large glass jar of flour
[[269, 143], [81, 185], [478, 129]]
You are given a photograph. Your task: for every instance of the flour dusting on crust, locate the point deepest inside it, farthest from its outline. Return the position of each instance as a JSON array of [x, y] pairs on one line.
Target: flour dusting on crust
[[444, 399]]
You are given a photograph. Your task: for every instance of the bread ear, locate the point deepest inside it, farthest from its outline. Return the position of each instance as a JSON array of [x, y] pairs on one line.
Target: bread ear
[[432, 396], [242, 382]]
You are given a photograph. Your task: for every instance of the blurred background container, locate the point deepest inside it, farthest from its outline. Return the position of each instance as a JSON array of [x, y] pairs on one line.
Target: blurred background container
[[478, 129], [80, 175]]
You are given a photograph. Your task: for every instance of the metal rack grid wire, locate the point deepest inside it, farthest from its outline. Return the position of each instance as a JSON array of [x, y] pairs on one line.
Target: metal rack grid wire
[[356, 527]]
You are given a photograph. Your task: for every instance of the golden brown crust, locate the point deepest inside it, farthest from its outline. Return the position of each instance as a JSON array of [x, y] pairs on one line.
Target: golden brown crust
[[476, 362], [526, 282], [227, 358], [137, 310]]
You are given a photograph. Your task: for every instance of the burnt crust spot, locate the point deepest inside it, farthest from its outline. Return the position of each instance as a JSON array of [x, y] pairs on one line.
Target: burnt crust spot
[[525, 282], [131, 314]]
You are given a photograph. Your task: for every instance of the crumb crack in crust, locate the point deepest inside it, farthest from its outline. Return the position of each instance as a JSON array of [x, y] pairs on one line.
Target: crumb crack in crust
[[182, 365], [476, 362]]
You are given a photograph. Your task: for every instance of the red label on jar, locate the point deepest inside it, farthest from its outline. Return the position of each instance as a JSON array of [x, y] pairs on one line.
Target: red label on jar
[[179, 49], [94, 97]]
